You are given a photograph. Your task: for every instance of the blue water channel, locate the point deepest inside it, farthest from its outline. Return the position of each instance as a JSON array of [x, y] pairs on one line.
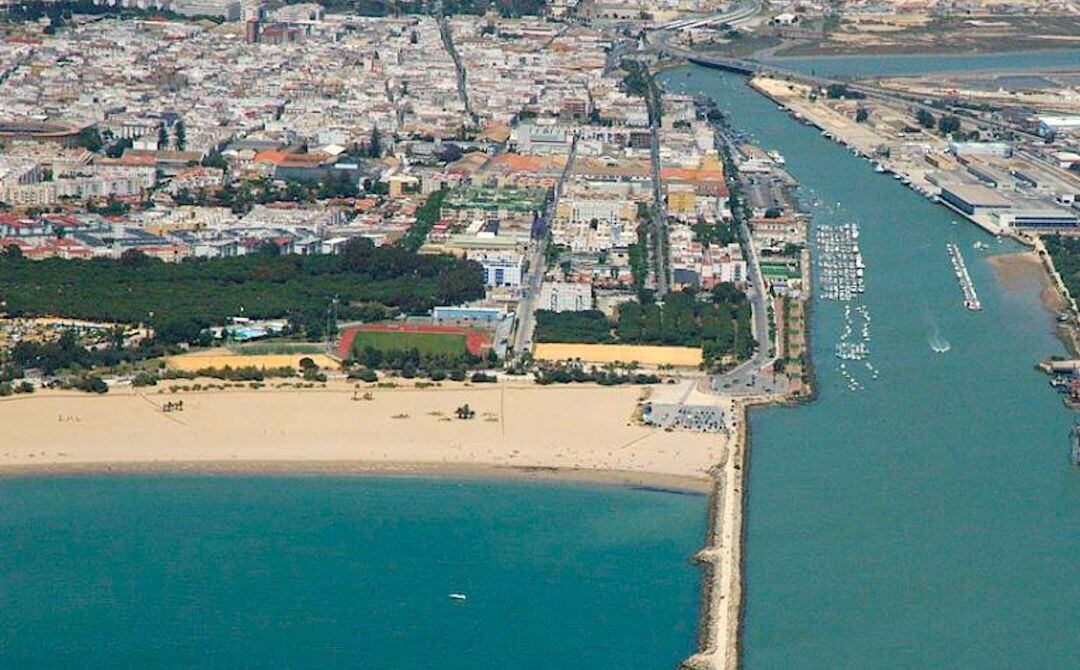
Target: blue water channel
[[932, 519]]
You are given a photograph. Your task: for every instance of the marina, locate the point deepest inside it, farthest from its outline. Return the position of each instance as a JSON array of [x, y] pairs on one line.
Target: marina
[[971, 299], [853, 346], [841, 271], [840, 263]]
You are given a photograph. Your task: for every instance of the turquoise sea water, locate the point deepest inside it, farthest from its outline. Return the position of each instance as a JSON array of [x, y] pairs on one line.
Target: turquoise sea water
[[871, 66], [932, 520], [343, 572]]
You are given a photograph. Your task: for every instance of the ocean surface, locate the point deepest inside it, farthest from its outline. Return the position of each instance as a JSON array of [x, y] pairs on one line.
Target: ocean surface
[[344, 572], [870, 66], [931, 520]]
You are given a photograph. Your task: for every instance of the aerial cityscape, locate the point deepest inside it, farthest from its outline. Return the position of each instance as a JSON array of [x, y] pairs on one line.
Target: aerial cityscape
[[545, 334]]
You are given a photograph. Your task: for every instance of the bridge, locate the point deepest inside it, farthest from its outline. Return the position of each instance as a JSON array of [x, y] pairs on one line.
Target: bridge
[[740, 11], [659, 40], [735, 65]]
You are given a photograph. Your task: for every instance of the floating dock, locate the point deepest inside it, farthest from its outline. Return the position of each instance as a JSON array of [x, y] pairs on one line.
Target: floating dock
[[971, 299], [1074, 437]]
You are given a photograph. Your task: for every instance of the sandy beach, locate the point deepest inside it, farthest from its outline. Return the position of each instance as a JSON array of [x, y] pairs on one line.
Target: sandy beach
[[569, 432], [1020, 270]]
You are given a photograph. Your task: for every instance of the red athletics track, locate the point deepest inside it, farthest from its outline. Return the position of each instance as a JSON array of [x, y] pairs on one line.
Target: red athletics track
[[475, 342]]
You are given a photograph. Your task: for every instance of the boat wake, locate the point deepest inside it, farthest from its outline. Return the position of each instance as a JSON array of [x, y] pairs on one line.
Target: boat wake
[[937, 342]]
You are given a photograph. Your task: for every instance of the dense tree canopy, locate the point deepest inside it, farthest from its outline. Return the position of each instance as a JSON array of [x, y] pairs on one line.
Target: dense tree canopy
[[426, 216], [1065, 251], [718, 322], [180, 299], [589, 327]]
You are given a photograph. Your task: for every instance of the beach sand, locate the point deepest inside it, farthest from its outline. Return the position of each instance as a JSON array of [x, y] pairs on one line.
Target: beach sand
[[222, 358], [519, 430], [1020, 270], [686, 357]]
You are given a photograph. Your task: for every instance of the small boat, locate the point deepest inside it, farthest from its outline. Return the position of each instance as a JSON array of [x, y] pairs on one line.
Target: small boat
[[460, 597]]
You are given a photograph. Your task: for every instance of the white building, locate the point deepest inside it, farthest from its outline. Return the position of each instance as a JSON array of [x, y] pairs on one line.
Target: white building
[[501, 268], [228, 9], [1059, 125], [532, 138], [560, 296]]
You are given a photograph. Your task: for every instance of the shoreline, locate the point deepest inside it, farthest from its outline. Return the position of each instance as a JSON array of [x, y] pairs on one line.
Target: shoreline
[[647, 481], [334, 430], [1036, 265], [872, 53], [574, 435]]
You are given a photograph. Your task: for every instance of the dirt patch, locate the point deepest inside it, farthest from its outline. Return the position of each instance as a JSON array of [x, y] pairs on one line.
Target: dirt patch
[[689, 357]]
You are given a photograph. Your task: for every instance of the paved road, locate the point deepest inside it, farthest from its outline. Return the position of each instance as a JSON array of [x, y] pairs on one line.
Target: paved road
[[737, 13], [537, 259], [746, 377], [658, 216], [459, 68]]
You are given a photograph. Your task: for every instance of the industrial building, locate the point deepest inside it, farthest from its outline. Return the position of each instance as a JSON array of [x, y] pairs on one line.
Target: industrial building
[[974, 199], [1039, 218]]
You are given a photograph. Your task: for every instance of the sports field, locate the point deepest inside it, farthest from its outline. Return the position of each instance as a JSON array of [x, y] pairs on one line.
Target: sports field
[[402, 337], [425, 343]]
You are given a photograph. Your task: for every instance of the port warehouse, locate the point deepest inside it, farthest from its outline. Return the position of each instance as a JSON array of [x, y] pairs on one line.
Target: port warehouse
[[976, 200]]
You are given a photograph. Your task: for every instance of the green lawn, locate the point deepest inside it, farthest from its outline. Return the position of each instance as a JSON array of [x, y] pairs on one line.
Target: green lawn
[[431, 344]]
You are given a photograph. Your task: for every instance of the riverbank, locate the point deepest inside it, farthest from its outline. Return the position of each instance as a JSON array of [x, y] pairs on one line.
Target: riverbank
[[877, 140], [517, 430], [865, 141], [802, 49], [1056, 297], [1017, 271]]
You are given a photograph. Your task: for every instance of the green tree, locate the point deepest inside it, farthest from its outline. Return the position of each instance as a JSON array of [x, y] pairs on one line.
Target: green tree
[[180, 135], [90, 138], [426, 217], [925, 118], [117, 148], [948, 125], [465, 412], [214, 159], [162, 137], [375, 144]]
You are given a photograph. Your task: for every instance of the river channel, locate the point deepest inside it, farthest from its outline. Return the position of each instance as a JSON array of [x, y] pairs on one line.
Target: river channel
[[929, 518]]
